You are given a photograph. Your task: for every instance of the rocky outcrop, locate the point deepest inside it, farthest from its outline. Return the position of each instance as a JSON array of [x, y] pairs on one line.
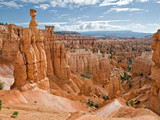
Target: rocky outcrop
[[11, 42], [98, 66], [86, 62], [49, 40], [102, 75], [142, 65], [95, 64], [61, 68], [31, 63], [56, 56], [155, 88], [3, 32]]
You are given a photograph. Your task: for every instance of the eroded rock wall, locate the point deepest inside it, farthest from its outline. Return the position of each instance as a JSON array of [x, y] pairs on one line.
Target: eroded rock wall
[[10, 42], [97, 65], [142, 65], [155, 88]]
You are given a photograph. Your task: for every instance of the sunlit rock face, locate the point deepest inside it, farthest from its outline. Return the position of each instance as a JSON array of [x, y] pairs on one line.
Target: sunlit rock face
[[142, 65], [10, 41], [31, 62], [155, 89], [56, 56], [98, 66]]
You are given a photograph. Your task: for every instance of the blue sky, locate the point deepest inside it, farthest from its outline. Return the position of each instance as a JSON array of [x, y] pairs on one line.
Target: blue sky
[[85, 15]]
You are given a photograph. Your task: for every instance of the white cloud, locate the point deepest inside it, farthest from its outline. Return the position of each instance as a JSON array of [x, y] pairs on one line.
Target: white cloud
[[69, 3], [111, 25], [105, 26], [108, 2], [33, 1], [101, 16], [53, 11], [11, 4], [43, 6], [134, 25], [83, 16], [58, 3], [77, 3], [142, 1], [62, 15], [124, 2], [157, 1], [89, 26], [115, 2], [143, 28], [154, 24], [124, 10]]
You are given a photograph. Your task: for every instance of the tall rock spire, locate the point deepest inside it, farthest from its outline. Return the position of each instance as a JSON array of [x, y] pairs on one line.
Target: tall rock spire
[[33, 23]]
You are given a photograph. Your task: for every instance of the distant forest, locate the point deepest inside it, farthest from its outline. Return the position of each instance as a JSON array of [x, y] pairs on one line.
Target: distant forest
[[1, 23]]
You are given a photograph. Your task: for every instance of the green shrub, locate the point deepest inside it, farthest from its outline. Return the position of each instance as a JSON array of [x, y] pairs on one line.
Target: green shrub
[[86, 76], [1, 85], [15, 114], [111, 56], [125, 77], [129, 68], [92, 44], [119, 61], [127, 103], [131, 102], [73, 47], [102, 52], [90, 102], [105, 98], [137, 101], [96, 106]]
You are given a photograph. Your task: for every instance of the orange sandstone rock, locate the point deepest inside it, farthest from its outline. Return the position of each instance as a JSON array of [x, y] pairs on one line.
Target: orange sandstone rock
[[155, 88], [142, 65], [31, 59]]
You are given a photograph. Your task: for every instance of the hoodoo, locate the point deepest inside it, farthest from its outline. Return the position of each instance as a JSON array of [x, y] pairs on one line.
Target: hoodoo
[[30, 68]]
